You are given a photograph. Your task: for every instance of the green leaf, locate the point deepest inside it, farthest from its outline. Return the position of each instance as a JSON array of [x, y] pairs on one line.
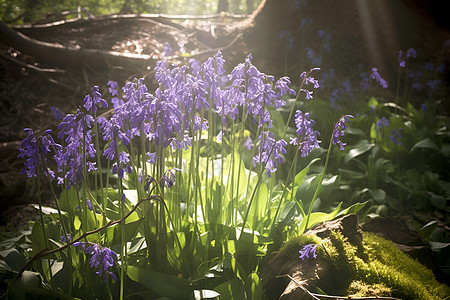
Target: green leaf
[[37, 238], [132, 196], [372, 102], [378, 195], [26, 282], [353, 209], [232, 289], [162, 284], [206, 294], [435, 246], [362, 147], [318, 217], [427, 230], [48, 210], [287, 213], [14, 259], [438, 201], [425, 143]]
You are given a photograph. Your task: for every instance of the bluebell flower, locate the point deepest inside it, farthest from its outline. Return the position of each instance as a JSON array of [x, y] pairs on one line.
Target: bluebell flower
[[167, 51], [248, 143], [112, 89], [433, 84], [76, 132], [92, 99], [35, 152], [308, 251], [396, 135], [424, 107], [306, 79], [411, 52], [102, 259], [338, 130], [286, 34], [402, 61], [364, 83], [66, 238], [306, 137], [376, 76], [304, 22], [89, 205], [348, 87], [270, 152], [57, 113], [335, 97], [429, 66], [326, 39], [382, 122], [148, 181], [169, 177]]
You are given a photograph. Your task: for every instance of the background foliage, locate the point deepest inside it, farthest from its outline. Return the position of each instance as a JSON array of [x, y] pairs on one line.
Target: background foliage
[[25, 11]]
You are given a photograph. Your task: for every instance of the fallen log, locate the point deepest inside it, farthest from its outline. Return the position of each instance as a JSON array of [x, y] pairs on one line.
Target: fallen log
[[63, 56]]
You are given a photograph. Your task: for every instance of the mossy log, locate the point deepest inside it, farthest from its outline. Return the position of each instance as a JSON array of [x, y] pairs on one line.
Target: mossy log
[[348, 263]]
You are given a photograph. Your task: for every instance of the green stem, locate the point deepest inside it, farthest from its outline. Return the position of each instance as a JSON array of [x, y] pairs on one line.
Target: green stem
[[316, 193], [41, 215]]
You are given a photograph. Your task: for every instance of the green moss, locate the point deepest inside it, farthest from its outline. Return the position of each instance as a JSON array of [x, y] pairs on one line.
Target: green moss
[[374, 268], [386, 265]]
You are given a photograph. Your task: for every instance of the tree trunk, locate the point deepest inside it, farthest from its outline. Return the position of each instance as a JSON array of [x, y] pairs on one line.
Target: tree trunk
[[222, 6]]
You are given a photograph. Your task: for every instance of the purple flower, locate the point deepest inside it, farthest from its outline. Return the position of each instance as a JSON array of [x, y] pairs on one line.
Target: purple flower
[[396, 135], [440, 68], [411, 52], [248, 143], [270, 152], [308, 251], [113, 86], [306, 137], [429, 66], [167, 50], [338, 130], [66, 238], [364, 84], [304, 22], [169, 177], [402, 61], [89, 205], [433, 84], [57, 113], [326, 39], [102, 259], [286, 34], [376, 76], [76, 132], [91, 100], [382, 122], [148, 181], [424, 107], [34, 150], [306, 79]]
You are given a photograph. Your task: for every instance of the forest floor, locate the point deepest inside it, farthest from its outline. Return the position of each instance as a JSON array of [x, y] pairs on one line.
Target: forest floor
[[28, 88]]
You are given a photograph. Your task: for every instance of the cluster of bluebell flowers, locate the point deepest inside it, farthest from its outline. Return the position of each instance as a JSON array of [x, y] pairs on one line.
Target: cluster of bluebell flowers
[[171, 117], [102, 259], [34, 150]]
